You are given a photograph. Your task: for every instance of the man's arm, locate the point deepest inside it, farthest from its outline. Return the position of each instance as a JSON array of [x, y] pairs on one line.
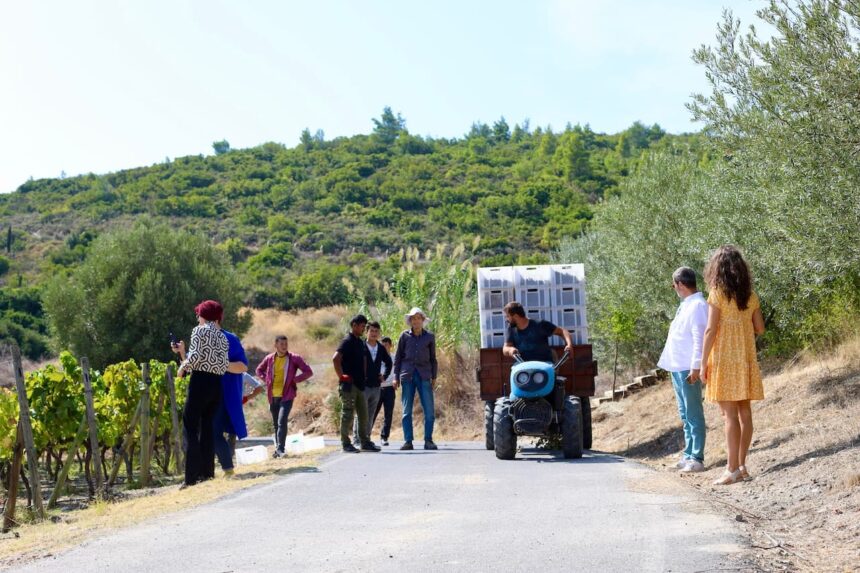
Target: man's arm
[[568, 341], [337, 362], [698, 323], [263, 370], [434, 365], [386, 360], [398, 359]]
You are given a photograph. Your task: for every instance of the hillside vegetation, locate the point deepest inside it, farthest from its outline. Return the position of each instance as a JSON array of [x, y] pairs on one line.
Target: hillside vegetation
[[296, 221]]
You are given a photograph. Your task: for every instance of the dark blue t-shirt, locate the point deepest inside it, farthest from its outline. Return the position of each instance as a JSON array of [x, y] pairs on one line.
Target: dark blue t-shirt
[[533, 340]]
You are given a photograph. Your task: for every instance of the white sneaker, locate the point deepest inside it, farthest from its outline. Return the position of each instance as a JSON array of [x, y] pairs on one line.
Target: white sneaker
[[693, 466], [682, 463]]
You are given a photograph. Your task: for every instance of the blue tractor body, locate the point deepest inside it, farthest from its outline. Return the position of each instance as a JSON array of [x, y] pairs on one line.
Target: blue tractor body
[[532, 379]]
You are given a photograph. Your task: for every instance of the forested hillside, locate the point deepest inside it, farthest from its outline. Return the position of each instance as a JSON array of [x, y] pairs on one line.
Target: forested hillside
[[297, 220]]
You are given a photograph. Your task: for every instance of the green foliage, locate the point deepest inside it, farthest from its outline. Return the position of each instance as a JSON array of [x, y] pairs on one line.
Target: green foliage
[[136, 286], [23, 320], [441, 283], [778, 177], [221, 147], [4, 265], [8, 423]]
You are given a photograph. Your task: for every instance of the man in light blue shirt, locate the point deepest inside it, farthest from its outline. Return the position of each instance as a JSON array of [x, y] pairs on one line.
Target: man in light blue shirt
[[682, 357]]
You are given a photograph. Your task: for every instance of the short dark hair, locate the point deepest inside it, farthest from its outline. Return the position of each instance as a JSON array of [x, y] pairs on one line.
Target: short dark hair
[[280, 337], [514, 308], [374, 324], [686, 276], [386, 340], [358, 319]]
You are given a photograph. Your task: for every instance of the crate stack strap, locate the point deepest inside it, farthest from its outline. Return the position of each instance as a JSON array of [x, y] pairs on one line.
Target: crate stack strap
[[547, 292]]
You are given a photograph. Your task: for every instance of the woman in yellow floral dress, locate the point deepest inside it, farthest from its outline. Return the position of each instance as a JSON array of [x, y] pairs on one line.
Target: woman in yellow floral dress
[[729, 364]]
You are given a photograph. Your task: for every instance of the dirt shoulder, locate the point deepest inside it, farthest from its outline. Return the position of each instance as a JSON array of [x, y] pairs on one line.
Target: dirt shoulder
[[801, 510], [67, 529]]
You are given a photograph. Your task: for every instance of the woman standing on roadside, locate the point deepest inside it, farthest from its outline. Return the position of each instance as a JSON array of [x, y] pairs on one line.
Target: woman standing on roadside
[[729, 364], [207, 362]]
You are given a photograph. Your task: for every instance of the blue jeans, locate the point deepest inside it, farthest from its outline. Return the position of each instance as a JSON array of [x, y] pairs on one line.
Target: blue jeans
[[689, 397], [407, 397]]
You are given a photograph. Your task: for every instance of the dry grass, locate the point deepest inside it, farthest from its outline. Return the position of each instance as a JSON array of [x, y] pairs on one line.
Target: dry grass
[[804, 458], [31, 541]]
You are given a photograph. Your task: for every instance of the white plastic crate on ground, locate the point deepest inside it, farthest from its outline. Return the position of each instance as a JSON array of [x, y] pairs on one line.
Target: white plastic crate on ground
[[572, 317], [494, 299], [492, 320], [534, 297], [493, 339], [493, 278], [538, 276]]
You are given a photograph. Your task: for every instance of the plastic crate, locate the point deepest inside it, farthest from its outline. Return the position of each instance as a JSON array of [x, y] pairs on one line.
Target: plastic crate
[[567, 275], [569, 317], [539, 314], [567, 296], [492, 278], [493, 320], [534, 297], [534, 276], [577, 335], [494, 299], [493, 339]]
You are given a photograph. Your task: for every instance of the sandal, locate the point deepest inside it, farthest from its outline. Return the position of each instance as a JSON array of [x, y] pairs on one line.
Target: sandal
[[728, 478]]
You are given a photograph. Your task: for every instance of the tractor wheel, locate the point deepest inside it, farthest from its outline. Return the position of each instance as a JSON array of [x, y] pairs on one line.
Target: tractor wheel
[[504, 438], [571, 428], [586, 423], [489, 406]]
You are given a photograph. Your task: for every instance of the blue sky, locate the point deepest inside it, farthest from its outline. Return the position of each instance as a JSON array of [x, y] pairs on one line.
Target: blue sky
[[96, 86]]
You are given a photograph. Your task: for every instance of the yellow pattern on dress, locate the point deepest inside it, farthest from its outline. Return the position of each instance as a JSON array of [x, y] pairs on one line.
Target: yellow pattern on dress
[[733, 370]]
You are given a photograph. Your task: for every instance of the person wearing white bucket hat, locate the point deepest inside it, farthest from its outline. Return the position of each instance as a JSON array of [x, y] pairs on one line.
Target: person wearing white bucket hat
[[415, 367]]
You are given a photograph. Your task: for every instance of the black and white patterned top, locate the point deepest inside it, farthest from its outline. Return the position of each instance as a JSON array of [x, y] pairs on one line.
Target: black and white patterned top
[[208, 350]]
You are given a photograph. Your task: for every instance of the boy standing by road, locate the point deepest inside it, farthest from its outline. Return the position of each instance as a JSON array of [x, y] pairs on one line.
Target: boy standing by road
[[281, 371]]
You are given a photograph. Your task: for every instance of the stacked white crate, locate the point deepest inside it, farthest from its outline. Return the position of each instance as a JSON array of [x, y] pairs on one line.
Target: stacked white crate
[[547, 292], [495, 290]]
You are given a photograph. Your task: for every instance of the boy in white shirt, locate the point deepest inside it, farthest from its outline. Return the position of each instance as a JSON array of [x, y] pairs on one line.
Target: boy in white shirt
[[682, 357]]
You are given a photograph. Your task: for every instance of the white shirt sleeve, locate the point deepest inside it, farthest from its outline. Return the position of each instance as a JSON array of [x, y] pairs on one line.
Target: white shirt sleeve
[[698, 322]]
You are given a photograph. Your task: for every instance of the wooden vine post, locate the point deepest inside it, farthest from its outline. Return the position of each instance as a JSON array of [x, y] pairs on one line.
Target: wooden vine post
[[175, 430], [144, 426], [93, 426], [27, 432]]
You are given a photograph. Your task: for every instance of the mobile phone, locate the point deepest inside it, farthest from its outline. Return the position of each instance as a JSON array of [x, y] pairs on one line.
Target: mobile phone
[[173, 340]]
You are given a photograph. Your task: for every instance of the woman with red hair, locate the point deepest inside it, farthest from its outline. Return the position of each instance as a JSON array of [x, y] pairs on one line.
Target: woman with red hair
[[207, 362]]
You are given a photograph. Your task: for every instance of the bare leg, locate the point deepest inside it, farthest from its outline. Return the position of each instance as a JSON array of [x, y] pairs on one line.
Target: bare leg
[[745, 416], [733, 433]]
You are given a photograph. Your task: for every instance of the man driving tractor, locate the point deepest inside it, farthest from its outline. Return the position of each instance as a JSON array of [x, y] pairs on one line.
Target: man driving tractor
[[530, 338]]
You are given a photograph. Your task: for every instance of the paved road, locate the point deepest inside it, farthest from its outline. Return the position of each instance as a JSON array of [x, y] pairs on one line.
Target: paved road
[[458, 509]]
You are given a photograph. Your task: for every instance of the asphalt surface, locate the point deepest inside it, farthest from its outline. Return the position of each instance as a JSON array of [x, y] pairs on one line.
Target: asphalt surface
[[457, 509]]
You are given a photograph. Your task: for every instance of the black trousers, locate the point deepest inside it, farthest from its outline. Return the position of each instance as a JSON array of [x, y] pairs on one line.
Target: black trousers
[[280, 410], [204, 398], [386, 402]]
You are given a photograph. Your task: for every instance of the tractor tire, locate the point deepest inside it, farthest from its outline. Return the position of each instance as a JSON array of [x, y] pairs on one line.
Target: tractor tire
[[504, 438], [571, 428], [586, 423], [489, 406]]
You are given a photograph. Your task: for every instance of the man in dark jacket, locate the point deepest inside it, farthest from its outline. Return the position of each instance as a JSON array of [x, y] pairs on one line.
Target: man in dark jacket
[[416, 368], [350, 365], [378, 368]]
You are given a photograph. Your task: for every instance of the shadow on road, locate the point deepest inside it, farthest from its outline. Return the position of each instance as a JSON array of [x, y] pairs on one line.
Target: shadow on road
[[556, 457], [279, 472]]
